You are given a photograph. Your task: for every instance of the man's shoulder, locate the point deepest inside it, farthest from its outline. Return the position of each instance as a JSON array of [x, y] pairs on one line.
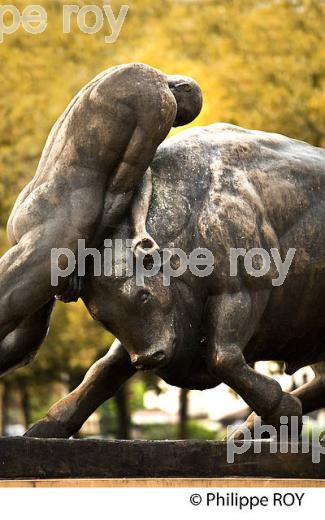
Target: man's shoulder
[[133, 84], [132, 72]]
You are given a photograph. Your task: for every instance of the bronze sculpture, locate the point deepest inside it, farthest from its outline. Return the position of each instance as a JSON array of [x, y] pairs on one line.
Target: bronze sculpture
[[224, 187], [93, 168]]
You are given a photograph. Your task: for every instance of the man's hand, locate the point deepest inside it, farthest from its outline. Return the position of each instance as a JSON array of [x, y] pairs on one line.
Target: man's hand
[[73, 289], [144, 244]]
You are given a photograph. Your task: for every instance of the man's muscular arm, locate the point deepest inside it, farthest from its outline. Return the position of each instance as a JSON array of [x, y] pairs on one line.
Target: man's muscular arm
[[139, 212]]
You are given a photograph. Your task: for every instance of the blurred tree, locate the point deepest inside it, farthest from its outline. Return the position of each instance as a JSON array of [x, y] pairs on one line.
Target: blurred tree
[[183, 413], [124, 421]]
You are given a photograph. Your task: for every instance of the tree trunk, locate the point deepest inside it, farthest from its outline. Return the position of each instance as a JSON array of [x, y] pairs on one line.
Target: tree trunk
[[123, 414], [25, 406], [4, 407], [183, 413]]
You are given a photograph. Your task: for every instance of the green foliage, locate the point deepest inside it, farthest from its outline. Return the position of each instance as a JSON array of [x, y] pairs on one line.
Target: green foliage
[[108, 419], [170, 431]]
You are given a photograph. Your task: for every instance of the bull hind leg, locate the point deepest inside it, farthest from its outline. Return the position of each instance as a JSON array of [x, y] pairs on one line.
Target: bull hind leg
[[101, 382], [19, 347]]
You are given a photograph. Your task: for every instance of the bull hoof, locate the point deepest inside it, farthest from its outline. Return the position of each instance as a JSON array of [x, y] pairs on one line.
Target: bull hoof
[[47, 428], [248, 426], [288, 408]]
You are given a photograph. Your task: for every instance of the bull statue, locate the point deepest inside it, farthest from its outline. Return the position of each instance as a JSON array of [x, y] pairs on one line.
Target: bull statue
[[256, 201]]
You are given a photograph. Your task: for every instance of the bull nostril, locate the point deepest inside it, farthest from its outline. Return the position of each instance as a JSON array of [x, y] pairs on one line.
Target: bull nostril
[[136, 362], [140, 362], [159, 356]]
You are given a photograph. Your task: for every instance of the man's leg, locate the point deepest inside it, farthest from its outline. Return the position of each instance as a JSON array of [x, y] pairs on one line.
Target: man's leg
[[25, 276], [20, 346], [101, 382]]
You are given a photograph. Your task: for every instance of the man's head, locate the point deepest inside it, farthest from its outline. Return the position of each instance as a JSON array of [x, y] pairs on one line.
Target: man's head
[[188, 97]]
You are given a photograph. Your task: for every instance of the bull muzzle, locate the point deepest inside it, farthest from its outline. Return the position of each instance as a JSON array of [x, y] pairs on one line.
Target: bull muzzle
[[152, 359]]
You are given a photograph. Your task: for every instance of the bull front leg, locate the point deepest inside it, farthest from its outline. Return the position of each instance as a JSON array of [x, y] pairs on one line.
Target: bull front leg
[[101, 382], [311, 396], [232, 320]]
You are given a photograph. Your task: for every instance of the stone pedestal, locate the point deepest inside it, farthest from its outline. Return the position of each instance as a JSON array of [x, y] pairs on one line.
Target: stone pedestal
[[27, 458]]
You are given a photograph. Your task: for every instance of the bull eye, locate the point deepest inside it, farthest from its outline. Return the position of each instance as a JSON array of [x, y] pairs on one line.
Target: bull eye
[[144, 296]]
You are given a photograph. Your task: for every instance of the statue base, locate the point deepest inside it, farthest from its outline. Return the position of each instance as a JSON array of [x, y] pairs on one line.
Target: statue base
[[27, 458]]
